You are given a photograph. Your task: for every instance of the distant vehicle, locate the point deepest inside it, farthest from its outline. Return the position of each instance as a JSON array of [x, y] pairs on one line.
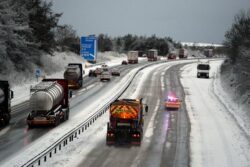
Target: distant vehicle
[[124, 62], [5, 97], [203, 69], [183, 53], [152, 55], [208, 52], [171, 56], [92, 73], [74, 74], [172, 102], [105, 75], [98, 71], [126, 121], [104, 66], [141, 54], [133, 57], [49, 103], [115, 72]]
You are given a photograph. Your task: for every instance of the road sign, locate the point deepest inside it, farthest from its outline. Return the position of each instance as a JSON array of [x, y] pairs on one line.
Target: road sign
[[89, 48], [38, 73]]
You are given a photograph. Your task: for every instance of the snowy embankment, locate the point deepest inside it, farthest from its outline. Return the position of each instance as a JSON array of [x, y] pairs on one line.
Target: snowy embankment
[[61, 59], [216, 137]]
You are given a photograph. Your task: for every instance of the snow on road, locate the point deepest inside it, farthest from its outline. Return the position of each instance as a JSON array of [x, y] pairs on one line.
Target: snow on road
[[215, 139], [76, 153]]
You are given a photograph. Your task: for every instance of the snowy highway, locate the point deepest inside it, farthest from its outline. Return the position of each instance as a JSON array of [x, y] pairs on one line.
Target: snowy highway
[[200, 133]]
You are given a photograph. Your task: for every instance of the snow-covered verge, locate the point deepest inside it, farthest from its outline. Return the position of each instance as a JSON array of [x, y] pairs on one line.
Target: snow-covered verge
[[216, 139], [235, 79], [54, 67], [237, 104]]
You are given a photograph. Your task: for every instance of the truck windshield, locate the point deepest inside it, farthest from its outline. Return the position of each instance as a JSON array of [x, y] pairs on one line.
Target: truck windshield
[[203, 67]]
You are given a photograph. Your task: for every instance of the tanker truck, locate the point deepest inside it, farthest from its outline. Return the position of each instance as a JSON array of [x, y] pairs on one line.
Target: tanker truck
[[74, 75], [125, 124], [5, 97], [49, 103]]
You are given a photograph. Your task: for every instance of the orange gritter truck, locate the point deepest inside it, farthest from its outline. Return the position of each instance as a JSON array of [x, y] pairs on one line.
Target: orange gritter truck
[[49, 103], [125, 124]]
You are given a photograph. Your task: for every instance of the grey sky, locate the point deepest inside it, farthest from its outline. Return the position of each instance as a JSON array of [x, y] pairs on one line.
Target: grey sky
[[183, 20]]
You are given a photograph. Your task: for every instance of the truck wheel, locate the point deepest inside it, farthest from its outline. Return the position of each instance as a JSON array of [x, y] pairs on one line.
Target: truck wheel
[[57, 121], [6, 119], [67, 115], [30, 126]]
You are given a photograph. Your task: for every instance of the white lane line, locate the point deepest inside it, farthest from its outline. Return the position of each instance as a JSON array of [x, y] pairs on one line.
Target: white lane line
[[162, 81], [4, 131]]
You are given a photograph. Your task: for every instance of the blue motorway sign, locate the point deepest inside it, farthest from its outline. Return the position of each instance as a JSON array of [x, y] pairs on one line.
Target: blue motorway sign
[[89, 48], [38, 72]]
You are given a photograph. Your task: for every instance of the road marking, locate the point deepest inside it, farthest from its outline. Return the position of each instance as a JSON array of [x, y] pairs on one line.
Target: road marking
[[4, 131]]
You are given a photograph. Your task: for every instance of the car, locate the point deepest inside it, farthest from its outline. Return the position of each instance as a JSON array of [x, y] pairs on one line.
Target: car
[[171, 56], [98, 71], [92, 73], [105, 75], [124, 62], [172, 102], [104, 66], [115, 72]]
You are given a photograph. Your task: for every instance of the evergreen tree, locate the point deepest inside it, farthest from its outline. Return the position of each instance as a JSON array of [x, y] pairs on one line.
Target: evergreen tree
[[43, 21]]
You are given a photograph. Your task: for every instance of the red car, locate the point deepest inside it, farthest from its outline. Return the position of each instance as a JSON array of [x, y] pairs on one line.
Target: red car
[[171, 56]]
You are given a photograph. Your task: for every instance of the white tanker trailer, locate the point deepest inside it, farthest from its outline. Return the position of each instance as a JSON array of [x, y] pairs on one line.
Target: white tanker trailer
[[49, 103]]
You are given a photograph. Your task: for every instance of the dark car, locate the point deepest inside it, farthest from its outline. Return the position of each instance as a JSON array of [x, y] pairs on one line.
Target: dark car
[[115, 72], [92, 73], [124, 62]]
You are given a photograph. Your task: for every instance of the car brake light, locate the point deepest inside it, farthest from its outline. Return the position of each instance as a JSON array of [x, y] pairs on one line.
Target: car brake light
[[136, 135], [110, 134]]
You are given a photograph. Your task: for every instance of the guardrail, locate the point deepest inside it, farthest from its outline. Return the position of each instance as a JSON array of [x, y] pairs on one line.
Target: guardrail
[[57, 146]]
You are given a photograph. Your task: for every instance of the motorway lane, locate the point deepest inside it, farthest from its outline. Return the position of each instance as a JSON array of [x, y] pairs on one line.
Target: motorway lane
[[17, 135], [177, 154], [167, 146]]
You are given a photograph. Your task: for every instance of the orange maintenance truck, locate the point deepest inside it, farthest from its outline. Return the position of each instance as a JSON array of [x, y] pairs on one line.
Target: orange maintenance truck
[[125, 124]]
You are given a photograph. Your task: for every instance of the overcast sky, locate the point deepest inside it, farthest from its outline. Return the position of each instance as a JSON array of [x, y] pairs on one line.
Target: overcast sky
[[183, 20]]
